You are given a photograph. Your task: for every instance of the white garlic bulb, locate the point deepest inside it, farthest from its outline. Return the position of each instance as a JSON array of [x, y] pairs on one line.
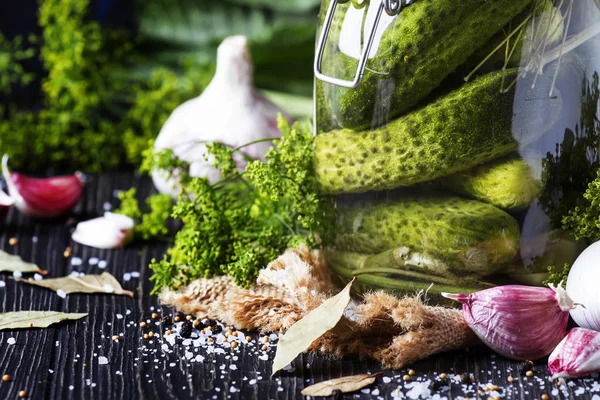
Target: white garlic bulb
[[230, 111]]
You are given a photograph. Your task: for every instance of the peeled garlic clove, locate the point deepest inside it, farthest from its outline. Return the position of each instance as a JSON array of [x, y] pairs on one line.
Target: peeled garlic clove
[[577, 355], [107, 232], [519, 322], [43, 198]]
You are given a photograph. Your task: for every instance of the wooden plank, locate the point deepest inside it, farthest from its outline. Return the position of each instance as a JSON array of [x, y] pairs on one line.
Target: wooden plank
[[28, 361], [147, 369]]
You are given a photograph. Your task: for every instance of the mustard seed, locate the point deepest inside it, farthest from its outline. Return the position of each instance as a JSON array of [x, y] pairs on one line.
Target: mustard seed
[[115, 337], [196, 323], [67, 252], [265, 347], [13, 241], [142, 324], [31, 324], [151, 334], [235, 334], [177, 319], [6, 378], [529, 373], [248, 338], [510, 379], [266, 339], [146, 336], [443, 375], [22, 393], [545, 397], [189, 318], [406, 378], [234, 345], [210, 340], [169, 332], [154, 315], [411, 372]]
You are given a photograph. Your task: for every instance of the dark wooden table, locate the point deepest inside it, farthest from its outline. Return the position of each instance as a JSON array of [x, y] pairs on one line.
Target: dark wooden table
[[62, 362]]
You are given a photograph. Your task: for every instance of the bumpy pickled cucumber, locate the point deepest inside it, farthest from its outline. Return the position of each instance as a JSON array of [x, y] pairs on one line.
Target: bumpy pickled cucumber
[[470, 126], [441, 234], [507, 183], [427, 41]]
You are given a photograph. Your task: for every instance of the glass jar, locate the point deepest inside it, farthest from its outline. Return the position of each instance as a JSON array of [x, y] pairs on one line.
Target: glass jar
[[455, 135]]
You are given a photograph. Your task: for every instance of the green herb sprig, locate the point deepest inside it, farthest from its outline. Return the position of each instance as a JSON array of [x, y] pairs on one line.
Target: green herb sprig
[[557, 277], [152, 224], [239, 224]]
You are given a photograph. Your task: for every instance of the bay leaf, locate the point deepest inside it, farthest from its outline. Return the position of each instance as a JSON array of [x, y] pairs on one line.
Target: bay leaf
[[103, 283], [12, 263], [35, 319], [301, 335], [345, 384]]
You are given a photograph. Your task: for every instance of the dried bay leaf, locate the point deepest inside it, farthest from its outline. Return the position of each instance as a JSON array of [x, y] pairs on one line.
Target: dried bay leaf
[[344, 384], [301, 335], [35, 319], [12, 263], [103, 283]]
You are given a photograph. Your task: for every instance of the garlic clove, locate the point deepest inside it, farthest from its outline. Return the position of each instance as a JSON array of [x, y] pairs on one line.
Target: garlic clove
[[577, 355], [518, 322], [107, 232], [43, 198]]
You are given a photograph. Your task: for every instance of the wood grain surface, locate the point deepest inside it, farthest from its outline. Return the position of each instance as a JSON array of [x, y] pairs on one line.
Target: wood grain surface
[[62, 362]]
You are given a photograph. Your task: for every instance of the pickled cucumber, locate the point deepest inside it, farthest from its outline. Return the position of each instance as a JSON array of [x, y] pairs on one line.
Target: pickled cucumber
[[472, 125], [507, 183], [429, 233], [427, 41]]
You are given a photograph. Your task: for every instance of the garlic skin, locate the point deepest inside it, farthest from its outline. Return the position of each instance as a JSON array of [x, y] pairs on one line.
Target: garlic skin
[[107, 232], [577, 355], [46, 197], [229, 110], [518, 322], [583, 284]]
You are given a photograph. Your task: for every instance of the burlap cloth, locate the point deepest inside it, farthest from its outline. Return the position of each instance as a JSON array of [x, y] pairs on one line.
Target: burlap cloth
[[395, 331]]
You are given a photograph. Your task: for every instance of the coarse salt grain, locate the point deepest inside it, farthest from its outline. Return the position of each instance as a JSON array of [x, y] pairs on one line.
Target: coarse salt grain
[[11, 340], [17, 274], [2, 284], [37, 277], [119, 316], [93, 261], [108, 288], [102, 264], [135, 274], [61, 293], [107, 206], [76, 261], [387, 379], [127, 276], [102, 360]]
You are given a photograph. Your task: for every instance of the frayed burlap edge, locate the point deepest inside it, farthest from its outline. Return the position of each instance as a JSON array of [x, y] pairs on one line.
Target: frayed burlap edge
[[395, 331]]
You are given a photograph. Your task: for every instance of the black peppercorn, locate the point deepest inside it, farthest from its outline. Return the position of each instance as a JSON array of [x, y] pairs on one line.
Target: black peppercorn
[[166, 320], [217, 329], [526, 367], [437, 385], [186, 329]]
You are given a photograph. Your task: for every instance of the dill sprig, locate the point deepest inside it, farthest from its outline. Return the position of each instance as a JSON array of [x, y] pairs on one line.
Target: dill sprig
[[238, 225]]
